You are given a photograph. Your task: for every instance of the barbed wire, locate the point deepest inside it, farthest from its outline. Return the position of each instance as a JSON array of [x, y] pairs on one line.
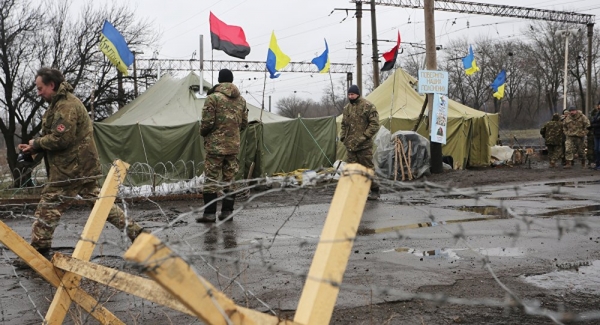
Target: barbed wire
[[296, 201]]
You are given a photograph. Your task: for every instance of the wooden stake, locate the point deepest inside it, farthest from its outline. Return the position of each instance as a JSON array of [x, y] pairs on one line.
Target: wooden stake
[[199, 296], [46, 270], [395, 160], [128, 283], [331, 256], [409, 157], [85, 246], [398, 144], [406, 160]]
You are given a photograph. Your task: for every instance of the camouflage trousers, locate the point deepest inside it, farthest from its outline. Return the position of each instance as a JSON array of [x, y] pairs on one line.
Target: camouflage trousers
[[220, 168], [555, 152], [365, 158], [56, 200], [575, 146]]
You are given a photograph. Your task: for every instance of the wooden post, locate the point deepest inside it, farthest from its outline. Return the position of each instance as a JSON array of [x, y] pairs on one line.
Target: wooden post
[[85, 247], [128, 283], [194, 292], [44, 268], [331, 257]]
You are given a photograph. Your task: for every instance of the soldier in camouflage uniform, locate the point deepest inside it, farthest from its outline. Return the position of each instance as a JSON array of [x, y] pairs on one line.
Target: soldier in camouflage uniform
[[68, 145], [575, 127], [224, 116], [595, 130], [552, 132], [360, 123]]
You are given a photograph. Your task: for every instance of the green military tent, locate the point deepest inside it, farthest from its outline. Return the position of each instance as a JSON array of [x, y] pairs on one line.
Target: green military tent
[[470, 133], [158, 134]]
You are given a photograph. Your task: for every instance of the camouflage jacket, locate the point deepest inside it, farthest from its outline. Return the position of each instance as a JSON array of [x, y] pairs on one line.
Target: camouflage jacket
[[552, 132], [576, 125], [360, 123], [67, 140], [224, 115]]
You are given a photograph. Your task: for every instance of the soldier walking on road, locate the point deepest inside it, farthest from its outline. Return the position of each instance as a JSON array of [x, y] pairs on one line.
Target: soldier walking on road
[[224, 116], [67, 142], [552, 132], [595, 129], [575, 127], [360, 123]]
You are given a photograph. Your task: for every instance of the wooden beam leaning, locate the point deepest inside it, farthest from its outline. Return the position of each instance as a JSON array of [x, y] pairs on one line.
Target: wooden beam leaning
[[198, 295], [128, 283], [46, 270], [335, 244], [86, 244]]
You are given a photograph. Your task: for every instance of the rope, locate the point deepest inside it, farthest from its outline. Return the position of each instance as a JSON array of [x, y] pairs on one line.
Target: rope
[[315, 140]]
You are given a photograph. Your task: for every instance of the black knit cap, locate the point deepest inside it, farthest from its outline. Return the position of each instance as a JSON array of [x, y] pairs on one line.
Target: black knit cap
[[354, 90], [225, 75]]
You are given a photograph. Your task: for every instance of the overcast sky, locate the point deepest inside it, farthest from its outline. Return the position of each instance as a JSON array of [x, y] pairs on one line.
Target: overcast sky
[[300, 27]]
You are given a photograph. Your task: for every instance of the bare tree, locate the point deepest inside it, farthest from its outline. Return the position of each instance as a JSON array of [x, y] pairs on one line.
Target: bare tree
[[32, 36]]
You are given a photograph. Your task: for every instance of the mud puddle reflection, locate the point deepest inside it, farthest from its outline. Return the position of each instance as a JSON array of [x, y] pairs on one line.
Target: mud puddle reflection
[[585, 210]]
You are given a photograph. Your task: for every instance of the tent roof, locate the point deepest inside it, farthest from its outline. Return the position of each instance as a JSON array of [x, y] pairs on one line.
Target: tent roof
[[170, 102], [397, 98]]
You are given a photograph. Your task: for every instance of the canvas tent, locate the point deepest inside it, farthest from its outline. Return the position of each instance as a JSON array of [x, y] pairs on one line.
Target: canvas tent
[[158, 134], [470, 133]]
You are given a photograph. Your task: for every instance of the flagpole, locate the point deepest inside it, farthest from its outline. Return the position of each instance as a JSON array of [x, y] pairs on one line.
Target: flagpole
[[212, 70], [262, 105], [201, 59], [332, 91]]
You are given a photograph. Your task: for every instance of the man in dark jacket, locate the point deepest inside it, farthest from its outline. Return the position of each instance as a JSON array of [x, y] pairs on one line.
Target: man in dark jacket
[[360, 123], [552, 132], [224, 116], [67, 142], [595, 128]]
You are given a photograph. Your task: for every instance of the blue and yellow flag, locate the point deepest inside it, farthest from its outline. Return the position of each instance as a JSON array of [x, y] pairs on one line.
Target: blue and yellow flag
[[276, 60], [113, 45], [469, 62], [498, 84], [322, 61]]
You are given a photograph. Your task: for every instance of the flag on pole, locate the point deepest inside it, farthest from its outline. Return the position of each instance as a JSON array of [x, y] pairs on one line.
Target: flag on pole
[[498, 84], [322, 61], [469, 62], [227, 38], [390, 57], [114, 46], [276, 60]]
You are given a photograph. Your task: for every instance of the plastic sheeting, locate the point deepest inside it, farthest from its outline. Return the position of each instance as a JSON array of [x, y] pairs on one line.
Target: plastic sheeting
[[384, 156]]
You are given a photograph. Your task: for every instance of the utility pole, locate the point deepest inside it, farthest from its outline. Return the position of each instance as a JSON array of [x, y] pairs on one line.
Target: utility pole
[[589, 93], [374, 46], [358, 44], [431, 62]]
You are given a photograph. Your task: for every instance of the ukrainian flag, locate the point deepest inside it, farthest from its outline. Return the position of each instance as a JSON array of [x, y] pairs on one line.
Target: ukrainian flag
[[276, 60], [498, 84], [469, 62], [322, 61], [113, 45]]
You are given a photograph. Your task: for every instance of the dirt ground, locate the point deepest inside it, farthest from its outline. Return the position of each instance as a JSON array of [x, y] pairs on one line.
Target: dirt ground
[[473, 285]]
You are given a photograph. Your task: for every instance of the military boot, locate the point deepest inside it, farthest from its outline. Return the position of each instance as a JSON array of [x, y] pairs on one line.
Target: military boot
[[582, 163], [568, 164], [20, 264], [374, 194], [552, 164], [227, 207], [210, 211]]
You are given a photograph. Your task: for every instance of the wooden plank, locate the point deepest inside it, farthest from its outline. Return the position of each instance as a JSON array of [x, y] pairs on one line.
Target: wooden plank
[[46, 270], [335, 244], [128, 283], [198, 295], [85, 246]]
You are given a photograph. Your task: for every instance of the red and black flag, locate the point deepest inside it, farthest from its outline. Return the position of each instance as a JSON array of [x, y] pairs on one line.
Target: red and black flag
[[390, 57], [227, 38]]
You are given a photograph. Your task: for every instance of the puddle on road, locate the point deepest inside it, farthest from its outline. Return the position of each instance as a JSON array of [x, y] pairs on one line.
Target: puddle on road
[[503, 251], [582, 279], [572, 183], [483, 210], [370, 231], [595, 209], [446, 253]]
